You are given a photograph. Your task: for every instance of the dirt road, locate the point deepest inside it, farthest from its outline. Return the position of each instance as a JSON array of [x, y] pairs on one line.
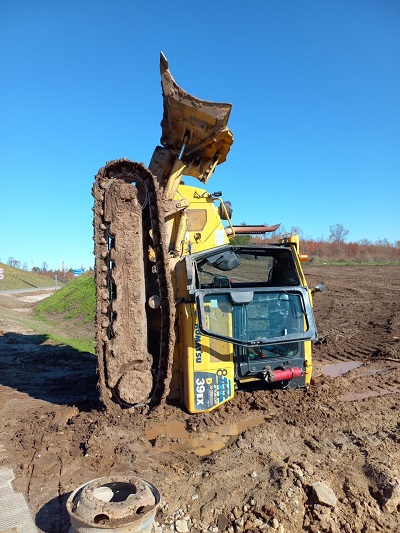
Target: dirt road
[[326, 459]]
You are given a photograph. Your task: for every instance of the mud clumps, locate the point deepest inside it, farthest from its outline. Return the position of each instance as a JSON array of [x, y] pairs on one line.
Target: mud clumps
[[55, 436]]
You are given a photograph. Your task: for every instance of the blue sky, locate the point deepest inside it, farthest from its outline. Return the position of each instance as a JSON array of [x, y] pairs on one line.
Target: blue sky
[[314, 84]]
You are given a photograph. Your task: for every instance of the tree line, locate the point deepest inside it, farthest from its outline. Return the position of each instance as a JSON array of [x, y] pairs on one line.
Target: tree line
[[335, 249]]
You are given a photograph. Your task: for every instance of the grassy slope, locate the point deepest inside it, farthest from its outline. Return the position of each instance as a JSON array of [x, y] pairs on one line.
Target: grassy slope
[[71, 310], [74, 300], [15, 278], [67, 316]]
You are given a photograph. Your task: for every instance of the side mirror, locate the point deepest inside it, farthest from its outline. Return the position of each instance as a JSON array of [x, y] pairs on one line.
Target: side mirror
[[321, 287]]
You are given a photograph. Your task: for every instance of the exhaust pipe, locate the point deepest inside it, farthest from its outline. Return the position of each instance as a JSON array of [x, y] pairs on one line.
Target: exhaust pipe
[[250, 230]]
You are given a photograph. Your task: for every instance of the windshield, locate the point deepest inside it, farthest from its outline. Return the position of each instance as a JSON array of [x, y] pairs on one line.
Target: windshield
[[273, 267], [258, 317]]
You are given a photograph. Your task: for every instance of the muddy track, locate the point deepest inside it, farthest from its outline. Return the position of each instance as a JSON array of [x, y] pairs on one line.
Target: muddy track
[[326, 459], [128, 207]]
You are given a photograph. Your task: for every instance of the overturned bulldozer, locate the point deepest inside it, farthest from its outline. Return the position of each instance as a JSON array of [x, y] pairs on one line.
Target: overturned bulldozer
[[182, 314]]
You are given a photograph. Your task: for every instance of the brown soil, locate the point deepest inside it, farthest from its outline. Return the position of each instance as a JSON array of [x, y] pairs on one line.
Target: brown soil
[[326, 459]]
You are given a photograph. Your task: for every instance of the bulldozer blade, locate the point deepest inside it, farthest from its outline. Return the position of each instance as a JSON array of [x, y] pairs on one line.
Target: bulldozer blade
[[195, 130]]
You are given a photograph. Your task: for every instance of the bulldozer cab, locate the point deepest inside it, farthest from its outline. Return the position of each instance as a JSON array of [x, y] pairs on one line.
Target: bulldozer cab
[[248, 305], [261, 298]]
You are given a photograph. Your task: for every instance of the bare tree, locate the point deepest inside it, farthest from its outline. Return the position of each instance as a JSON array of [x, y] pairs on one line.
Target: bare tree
[[338, 233], [13, 262], [382, 242], [295, 230]]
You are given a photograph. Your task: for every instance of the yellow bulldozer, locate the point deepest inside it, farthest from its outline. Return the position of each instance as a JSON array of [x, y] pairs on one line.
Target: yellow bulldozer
[[183, 314]]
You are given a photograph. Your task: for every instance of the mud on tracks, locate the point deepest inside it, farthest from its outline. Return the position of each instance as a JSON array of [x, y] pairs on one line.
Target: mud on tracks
[[326, 459]]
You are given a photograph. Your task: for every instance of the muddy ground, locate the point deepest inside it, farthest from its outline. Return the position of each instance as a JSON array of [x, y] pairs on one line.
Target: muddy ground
[[325, 459]]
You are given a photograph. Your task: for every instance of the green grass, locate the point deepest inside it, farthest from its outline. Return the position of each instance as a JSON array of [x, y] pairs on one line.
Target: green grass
[[81, 345], [76, 300], [68, 315], [15, 278]]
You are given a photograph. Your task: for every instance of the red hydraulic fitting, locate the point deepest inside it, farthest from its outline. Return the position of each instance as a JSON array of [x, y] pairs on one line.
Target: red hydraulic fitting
[[283, 375]]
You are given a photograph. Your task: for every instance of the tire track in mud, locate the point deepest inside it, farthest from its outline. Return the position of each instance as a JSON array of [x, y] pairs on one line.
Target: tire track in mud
[[344, 349], [357, 320]]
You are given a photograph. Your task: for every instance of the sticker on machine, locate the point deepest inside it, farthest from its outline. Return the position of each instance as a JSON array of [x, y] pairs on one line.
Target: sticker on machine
[[220, 237], [211, 389]]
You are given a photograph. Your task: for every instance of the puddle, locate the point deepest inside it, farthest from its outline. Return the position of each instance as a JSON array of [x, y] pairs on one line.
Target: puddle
[[363, 395], [206, 442], [338, 369], [374, 371]]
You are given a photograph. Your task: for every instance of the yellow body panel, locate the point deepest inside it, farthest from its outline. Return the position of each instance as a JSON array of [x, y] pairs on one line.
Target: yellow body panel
[[308, 361], [208, 368], [203, 226]]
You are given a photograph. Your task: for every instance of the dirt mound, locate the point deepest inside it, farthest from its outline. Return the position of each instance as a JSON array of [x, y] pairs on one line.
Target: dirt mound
[[325, 459]]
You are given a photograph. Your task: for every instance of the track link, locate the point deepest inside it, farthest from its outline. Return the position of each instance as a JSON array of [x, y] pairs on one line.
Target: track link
[[128, 222]]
